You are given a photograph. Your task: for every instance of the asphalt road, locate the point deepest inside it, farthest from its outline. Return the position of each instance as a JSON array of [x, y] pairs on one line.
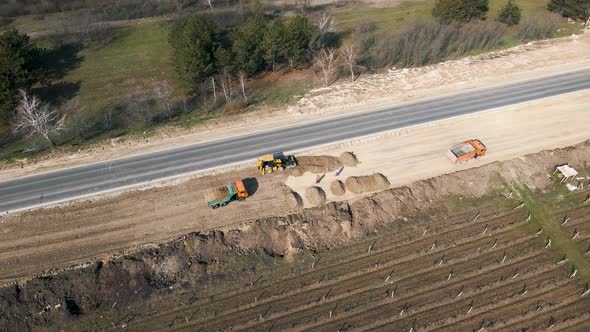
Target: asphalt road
[[26, 192]]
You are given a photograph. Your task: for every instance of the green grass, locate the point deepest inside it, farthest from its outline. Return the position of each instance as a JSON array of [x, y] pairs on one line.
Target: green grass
[[112, 73], [385, 19]]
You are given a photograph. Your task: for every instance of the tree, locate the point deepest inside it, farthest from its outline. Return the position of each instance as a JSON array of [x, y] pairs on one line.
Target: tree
[[326, 61], [349, 53], [36, 118], [247, 43], [194, 44], [326, 25], [576, 9], [510, 14], [20, 68], [225, 67], [299, 34], [274, 42], [163, 93], [447, 11], [242, 77]]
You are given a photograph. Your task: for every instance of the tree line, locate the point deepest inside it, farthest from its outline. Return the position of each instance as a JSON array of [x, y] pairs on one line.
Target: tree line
[[207, 57]]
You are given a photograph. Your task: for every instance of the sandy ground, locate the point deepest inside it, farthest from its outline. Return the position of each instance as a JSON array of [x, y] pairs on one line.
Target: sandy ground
[[35, 241], [370, 92], [408, 155]]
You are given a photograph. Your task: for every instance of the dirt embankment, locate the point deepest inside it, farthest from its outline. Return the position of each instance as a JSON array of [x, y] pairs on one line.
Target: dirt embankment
[[186, 262]]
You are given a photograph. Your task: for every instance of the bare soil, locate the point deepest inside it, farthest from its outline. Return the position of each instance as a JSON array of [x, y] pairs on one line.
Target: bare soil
[[410, 257], [56, 238]]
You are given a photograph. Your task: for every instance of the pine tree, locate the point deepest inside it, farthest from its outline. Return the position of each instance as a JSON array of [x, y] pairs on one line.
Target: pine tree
[[20, 68], [194, 44], [576, 9], [447, 11], [274, 42], [510, 14], [299, 35]]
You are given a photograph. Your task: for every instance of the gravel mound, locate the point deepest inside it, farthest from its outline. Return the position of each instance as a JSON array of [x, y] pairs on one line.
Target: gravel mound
[[363, 184]]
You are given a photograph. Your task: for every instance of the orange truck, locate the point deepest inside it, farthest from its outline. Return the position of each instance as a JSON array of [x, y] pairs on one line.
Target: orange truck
[[221, 197], [467, 150]]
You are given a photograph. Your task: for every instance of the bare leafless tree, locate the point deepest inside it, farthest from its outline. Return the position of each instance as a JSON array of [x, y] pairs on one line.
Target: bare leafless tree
[[108, 118], [326, 25], [163, 91], [326, 61], [34, 117], [242, 77], [349, 53], [225, 80], [209, 3], [213, 85], [180, 5], [77, 117]]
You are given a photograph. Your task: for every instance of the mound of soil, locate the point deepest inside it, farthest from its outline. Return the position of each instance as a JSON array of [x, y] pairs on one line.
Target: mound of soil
[[294, 201], [348, 159], [315, 195], [363, 184], [316, 164], [337, 188]]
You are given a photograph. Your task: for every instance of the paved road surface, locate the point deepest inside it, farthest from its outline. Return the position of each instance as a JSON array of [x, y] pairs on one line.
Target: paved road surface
[[26, 192]]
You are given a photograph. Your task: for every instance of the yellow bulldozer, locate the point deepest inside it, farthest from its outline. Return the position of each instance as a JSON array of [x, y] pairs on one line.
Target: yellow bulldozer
[[275, 162]]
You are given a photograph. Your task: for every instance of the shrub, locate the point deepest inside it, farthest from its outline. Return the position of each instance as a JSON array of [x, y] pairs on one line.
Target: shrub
[[538, 26], [432, 42], [510, 14]]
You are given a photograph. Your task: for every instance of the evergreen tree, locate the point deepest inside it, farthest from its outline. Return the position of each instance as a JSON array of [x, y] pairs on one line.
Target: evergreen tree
[[576, 9], [274, 42], [510, 14], [447, 11], [299, 35], [20, 68], [247, 43], [194, 44]]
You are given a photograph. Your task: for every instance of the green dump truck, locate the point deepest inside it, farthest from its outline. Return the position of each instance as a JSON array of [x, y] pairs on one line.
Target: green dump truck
[[222, 196]]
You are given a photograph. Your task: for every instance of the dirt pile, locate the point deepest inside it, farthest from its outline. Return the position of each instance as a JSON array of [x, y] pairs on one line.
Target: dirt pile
[[315, 164], [294, 201], [348, 159], [217, 193], [190, 261], [368, 183], [337, 188], [315, 196]]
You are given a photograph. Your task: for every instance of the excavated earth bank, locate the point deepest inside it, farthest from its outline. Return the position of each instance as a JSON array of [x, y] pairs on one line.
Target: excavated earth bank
[[183, 264]]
